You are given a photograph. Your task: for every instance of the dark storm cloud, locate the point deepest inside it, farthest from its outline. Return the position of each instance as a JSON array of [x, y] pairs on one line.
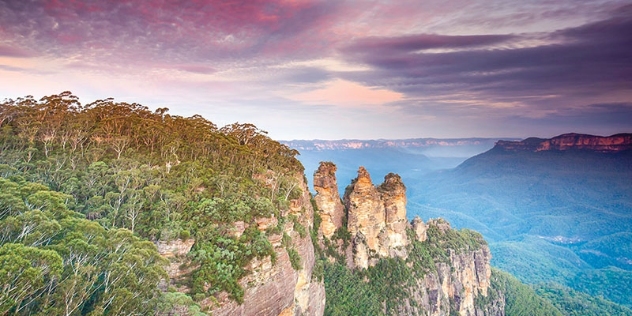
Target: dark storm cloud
[[412, 43]]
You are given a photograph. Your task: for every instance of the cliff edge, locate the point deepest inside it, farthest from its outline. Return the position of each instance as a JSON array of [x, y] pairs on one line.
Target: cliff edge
[[571, 141]]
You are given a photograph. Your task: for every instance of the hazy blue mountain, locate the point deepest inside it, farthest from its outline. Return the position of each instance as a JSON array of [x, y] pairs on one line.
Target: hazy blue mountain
[[410, 158], [552, 214]]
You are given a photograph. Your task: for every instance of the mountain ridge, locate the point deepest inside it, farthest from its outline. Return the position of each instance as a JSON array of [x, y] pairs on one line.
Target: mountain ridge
[[342, 144], [570, 141]]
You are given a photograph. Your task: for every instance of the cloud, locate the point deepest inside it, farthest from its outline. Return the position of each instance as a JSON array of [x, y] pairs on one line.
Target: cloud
[[419, 42], [12, 51], [167, 31], [196, 68], [589, 62], [345, 93], [476, 63], [11, 68]]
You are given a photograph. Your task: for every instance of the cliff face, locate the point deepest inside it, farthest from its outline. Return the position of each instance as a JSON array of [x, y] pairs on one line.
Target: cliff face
[[278, 289], [270, 288], [614, 143], [455, 284]]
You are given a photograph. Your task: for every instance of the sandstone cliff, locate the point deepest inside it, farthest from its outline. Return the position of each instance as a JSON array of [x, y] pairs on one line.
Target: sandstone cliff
[[614, 143], [453, 284], [269, 288]]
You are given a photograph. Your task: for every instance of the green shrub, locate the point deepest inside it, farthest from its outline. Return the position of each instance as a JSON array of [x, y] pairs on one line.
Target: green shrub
[[295, 258]]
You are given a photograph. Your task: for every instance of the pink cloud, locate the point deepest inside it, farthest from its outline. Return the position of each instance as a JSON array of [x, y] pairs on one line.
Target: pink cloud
[[346, 93], [13, 51]]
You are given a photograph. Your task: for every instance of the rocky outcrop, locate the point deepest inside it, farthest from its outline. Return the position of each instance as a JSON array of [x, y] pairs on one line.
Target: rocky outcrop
[[366, 219], [447, 284], [419, 228], [454, 284], [175, 251], [572, 141], [393, 194], [327, 199]]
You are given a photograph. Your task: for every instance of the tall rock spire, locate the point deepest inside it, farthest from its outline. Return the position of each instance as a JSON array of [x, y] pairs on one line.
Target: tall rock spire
[[327, 199], [376, 218], [393, 194]]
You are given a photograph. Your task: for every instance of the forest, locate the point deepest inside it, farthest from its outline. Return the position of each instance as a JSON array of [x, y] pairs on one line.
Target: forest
[[87, 188]]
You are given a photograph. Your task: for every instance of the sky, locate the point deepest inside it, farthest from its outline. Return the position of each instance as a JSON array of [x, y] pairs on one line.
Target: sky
[[370, 69]]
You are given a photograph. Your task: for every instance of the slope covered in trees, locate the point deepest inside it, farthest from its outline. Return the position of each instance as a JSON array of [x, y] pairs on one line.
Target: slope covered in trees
[[87, 188]]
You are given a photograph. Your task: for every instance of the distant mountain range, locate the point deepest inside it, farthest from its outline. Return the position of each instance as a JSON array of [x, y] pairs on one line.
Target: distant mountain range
[[410, 158], [571, 141], [463, 146]]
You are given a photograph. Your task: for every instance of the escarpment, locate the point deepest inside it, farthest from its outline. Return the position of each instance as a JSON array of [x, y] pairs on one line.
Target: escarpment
[[446, 271], [460, 276], [571, 141]]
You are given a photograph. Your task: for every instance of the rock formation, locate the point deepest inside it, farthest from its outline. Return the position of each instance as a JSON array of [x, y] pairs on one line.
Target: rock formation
[[393, 193], [376, 218], [609, 144], [378, 229], [330, 207], [420, 229]]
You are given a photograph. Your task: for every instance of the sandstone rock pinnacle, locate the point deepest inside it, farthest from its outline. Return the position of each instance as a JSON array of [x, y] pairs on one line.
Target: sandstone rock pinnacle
[[376, 218], [327, 199], [393, 194], [365, 209]]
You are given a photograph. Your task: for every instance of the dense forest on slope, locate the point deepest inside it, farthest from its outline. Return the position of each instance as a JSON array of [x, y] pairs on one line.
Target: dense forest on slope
[[53, 260], [85, 188], [575, 303]]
